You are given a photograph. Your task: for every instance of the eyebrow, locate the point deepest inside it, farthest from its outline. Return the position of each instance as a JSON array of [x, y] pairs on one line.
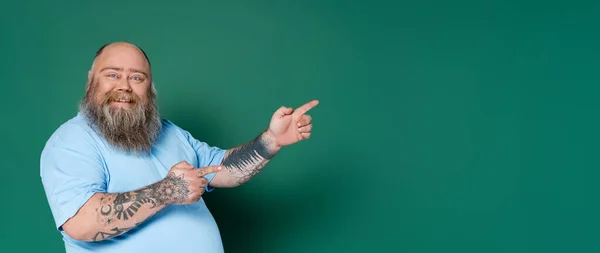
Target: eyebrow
[[121, 69]]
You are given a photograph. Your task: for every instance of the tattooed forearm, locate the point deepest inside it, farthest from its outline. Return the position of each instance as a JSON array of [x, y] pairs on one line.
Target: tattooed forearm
[[117, 213], [247, 160], [123, 206], [112, 233]]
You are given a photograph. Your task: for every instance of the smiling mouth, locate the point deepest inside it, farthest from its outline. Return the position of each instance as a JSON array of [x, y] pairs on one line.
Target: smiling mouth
[[122, 101]]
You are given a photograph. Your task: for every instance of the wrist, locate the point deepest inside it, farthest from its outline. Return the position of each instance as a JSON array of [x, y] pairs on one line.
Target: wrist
[[270, 142], [160, 188]]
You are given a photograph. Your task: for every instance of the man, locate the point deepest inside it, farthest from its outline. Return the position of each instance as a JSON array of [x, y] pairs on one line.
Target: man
[[118, 178]]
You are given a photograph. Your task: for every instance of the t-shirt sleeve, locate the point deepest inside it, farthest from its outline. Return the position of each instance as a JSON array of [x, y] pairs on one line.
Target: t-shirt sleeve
[[207, 155], [72, 171]]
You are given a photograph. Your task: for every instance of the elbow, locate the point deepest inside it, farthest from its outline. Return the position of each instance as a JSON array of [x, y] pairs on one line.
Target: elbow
[[77, 231], [76, 235], [232, 183]]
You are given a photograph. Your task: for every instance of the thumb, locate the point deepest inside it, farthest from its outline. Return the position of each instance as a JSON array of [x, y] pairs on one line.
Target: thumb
[[282, 111], [184, 165]]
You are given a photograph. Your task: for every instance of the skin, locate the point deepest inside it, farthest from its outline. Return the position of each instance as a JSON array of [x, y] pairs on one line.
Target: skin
[[122, 67]]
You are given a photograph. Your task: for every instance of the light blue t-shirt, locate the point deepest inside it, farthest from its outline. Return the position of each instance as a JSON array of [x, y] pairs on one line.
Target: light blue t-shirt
[[77, 162]]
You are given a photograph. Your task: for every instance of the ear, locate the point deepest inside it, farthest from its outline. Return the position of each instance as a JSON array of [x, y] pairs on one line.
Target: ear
[[89, 80]]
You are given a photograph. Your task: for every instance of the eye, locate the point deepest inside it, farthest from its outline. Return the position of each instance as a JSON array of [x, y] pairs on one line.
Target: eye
[[113, 75], [137, 78]]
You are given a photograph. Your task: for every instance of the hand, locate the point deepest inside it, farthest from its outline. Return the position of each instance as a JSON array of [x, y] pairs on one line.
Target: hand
[[184, 184], [289, 126]]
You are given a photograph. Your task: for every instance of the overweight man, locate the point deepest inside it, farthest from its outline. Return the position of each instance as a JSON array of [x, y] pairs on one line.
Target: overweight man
[[119, 178]]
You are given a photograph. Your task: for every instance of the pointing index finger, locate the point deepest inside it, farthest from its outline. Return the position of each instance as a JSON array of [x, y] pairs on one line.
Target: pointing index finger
[[208, 170], [304, 108]]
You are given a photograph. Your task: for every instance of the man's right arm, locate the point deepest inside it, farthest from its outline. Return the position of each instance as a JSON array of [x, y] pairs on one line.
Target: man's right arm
[[106, 215]]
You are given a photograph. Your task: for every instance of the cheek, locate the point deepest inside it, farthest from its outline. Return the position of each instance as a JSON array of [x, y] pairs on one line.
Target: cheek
[[99, 91], [142, 92]]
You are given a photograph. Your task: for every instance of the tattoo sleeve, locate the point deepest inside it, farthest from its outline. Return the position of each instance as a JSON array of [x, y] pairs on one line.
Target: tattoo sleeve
[[117, 213], [247, 160]]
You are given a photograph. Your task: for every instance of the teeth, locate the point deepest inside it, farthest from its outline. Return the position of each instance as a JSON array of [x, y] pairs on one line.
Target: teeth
[[122, 98]]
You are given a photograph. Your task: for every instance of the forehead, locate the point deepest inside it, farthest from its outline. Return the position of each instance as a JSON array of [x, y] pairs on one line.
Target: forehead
[[122, 56]]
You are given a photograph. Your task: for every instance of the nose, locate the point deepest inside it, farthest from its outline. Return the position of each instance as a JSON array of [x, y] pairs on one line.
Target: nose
[[123, 85]]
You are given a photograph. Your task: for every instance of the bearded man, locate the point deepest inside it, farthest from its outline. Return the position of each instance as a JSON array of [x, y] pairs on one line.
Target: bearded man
[[119, 178]]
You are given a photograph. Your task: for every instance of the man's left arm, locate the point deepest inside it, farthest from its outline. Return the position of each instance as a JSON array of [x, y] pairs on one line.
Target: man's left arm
[[287, 126], [244, 162]]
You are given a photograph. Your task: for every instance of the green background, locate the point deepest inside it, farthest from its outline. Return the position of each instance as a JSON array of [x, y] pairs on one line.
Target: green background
[[444, 126]]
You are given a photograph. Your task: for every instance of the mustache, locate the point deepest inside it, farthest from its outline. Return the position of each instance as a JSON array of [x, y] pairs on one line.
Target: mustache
[[120, 96]]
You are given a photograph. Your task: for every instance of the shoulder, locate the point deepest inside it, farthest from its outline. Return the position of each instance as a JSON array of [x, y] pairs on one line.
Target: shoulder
[[73, 134], [171, 133], [172, 130], [169, 125]]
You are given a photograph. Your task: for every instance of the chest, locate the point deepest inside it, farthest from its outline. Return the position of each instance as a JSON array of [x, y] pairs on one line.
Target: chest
[[127, 172]]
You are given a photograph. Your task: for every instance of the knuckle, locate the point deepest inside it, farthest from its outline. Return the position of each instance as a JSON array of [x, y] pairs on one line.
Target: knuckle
[[190, 174], [182, 165]]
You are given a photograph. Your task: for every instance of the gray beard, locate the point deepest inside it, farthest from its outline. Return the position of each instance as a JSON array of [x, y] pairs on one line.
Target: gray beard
[[130, 130]]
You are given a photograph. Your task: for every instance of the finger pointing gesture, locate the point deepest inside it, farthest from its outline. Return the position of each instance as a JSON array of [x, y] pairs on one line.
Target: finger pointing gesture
[[305, 108], [290, 126]]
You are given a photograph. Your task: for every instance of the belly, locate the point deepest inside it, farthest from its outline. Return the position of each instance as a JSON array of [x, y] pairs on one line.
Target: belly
[[177, 228]]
